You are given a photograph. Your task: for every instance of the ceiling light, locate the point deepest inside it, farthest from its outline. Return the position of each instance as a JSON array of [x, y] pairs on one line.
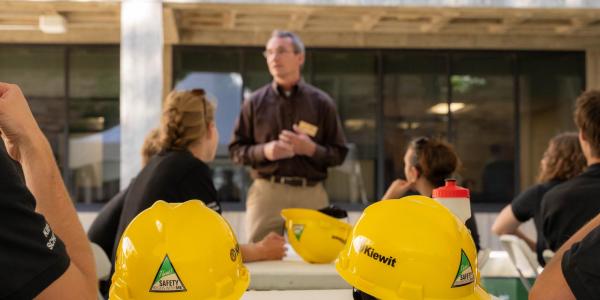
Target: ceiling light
[[53, 24], [442, 108]]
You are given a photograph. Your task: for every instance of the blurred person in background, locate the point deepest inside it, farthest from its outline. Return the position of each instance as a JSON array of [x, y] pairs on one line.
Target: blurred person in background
[[427, 164], [561, 161], [571, 204], [289, 132]]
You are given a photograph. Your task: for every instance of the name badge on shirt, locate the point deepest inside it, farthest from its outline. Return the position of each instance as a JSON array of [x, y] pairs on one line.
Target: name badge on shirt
[[308, 129]]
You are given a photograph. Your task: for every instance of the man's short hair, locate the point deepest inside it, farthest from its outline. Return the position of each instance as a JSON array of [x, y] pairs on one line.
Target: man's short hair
[[587, 118], [296, 41]]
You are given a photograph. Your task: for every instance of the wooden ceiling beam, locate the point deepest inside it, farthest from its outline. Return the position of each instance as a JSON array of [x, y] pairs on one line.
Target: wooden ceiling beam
[[577, 25], [72, 36], [171, 30], [396, 40], [368, 21], [229, 19], [298, 21]]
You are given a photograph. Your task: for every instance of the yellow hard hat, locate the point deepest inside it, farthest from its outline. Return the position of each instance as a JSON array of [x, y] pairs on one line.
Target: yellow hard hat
[[178, 251], [315, 236], [411, 249]]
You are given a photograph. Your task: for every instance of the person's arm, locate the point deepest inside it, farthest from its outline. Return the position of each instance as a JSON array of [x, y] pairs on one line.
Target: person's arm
[[551, 284], [507, 223], [270, 248], [397, 189], [106, 224], [26, 143]]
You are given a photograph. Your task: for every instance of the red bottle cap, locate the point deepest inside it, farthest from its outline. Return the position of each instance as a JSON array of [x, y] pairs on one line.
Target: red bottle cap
[[451, 190]]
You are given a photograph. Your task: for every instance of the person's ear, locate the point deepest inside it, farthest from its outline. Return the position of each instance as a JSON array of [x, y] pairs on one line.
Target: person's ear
[[581, 136], [210, 129], [414, 173], [301, 57]]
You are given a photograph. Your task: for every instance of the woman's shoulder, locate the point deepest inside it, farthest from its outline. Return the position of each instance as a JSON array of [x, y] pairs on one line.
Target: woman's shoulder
[[179, 161], [183, 157]]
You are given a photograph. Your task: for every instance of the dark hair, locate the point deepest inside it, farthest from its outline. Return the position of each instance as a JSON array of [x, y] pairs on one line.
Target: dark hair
[[562, 159], [296, 41], [587, 118], [435, 160]]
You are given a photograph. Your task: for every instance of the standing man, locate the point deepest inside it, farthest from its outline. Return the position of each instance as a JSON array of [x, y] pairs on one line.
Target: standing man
[[289, 133]]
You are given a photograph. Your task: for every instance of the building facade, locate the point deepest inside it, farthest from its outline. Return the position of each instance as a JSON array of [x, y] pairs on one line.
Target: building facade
[[495, 78]]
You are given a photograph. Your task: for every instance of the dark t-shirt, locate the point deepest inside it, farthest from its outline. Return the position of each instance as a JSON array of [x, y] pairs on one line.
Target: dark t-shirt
[[172, 176], [104, 228], [570, 205], [527, 205], [268, 111], [31, 255], [581, 267]]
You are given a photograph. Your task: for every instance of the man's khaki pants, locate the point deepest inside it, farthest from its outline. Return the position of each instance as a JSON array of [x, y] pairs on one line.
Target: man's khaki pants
[[266, 200]]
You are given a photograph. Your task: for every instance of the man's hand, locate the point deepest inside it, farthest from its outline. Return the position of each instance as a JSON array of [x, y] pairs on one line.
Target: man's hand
[[301, 143], [17, 125], [276, 150], [271, 247]]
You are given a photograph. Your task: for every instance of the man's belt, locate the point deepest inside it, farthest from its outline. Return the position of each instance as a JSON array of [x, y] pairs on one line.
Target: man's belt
[[291, 180]]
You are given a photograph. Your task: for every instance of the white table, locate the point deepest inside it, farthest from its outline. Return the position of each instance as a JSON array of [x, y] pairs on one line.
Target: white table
[[499, 265], [299, 295], [294, 274]]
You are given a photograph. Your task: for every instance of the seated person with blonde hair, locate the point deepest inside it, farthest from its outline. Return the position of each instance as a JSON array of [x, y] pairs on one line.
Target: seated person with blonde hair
[[188, 140]]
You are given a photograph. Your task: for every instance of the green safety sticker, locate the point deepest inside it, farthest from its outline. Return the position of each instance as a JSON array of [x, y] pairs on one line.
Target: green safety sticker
[[298, 230], [166, 279], [464, 275]]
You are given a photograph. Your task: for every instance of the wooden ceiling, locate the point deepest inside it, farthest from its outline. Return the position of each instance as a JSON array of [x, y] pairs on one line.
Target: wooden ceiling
[[87, 22], [329, 26], [386, 19]]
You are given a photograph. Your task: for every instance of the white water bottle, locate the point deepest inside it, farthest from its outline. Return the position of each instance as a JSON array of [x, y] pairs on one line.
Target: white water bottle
[[455, 198]]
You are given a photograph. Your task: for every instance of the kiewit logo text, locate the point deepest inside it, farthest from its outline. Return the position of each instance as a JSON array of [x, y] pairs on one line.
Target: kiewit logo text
[[386, 260]]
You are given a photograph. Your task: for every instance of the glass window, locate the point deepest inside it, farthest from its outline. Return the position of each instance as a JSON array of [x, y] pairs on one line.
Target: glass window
[[415, 92], [466, 97], [549, 83], [80, 120], [94, 139], [256, 72], [350, 78], [40, 72], [186, 60], [482, 122], [217, 71]]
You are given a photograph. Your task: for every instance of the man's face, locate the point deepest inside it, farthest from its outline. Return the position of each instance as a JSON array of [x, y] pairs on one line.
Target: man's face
[[281, 59]]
